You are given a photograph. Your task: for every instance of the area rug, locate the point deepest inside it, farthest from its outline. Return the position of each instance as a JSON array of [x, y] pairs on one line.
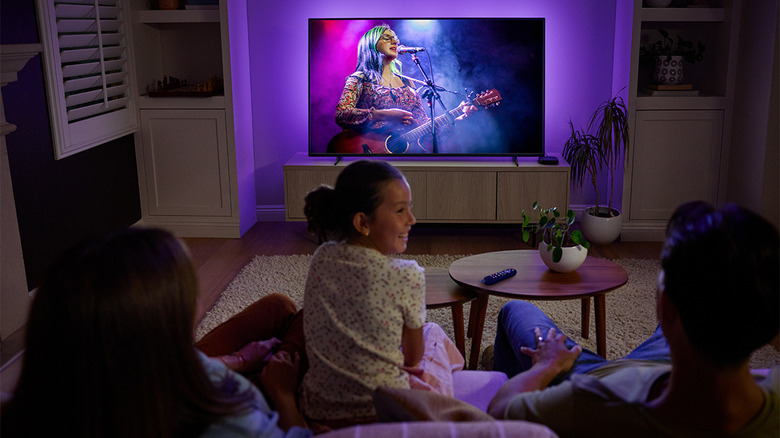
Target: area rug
[[630, 308]]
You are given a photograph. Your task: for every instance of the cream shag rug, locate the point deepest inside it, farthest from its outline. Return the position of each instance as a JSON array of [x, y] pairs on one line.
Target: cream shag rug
[[630, 309]]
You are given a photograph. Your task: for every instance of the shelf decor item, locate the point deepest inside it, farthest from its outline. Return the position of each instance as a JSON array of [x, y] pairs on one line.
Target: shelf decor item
[[591, 154], [668, 69], [667, 57], [168, 4], [560, 248], [174, 87], [658, 3]]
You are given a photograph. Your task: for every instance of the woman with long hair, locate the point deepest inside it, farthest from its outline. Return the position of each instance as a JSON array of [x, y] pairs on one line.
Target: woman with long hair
[[374, 96], [110, 352], [377, 99]]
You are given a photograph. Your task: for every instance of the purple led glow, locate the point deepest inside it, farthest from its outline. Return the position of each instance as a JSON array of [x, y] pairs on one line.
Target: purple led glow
[[468, 54], [587, 57]]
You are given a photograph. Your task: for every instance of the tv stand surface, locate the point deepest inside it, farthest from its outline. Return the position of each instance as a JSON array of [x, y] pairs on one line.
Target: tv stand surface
[[447, 189]]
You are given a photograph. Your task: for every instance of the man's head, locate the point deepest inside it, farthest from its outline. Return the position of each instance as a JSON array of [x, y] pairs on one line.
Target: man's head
[[722, 273]]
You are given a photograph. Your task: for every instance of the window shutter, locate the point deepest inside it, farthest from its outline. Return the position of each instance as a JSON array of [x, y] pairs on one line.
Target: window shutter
[[88, 68]]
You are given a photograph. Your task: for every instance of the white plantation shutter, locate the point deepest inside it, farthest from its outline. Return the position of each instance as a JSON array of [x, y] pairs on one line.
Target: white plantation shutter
[[88, 71]]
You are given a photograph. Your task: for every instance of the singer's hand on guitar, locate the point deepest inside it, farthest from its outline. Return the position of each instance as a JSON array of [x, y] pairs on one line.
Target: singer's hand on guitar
[[467, 109], [394, 115]]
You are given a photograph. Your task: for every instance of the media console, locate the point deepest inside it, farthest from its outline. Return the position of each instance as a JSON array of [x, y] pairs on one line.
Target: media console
[[447, 189]]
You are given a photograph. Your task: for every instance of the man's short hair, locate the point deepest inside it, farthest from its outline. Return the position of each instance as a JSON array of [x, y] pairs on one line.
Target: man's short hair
[[722, 272]]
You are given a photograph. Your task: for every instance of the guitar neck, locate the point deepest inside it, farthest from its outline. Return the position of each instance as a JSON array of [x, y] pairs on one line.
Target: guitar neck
[[425, 129]]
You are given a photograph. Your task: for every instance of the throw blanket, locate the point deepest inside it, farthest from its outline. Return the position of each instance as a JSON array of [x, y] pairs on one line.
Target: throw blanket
[[440, 359]]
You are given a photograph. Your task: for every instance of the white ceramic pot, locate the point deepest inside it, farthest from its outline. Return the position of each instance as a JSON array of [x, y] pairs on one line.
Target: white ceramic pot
[[573, 257], [601, 230]]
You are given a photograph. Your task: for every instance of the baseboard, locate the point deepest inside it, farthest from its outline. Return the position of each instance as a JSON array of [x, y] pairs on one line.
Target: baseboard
[[189, 229], [270, 213], [639, 232], [633, 231], [579, 210]]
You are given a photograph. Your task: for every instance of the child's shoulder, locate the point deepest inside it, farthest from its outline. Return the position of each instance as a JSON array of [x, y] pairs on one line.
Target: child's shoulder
[[406, 265]]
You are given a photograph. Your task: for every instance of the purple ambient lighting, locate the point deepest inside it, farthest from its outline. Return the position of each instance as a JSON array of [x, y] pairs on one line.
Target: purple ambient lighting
[[466, 54]]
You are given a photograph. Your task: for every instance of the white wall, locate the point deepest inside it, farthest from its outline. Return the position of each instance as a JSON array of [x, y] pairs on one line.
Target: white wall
[[753, 158]]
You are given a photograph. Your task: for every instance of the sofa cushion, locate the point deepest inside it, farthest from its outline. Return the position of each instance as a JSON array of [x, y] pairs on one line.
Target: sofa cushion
[[445, 429], [477, 388], [394, 404]]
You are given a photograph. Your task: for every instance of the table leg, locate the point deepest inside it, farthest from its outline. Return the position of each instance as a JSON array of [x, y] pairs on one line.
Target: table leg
[[472, 319], [478, 320], [457, 324], [601, 325], [585, 317]]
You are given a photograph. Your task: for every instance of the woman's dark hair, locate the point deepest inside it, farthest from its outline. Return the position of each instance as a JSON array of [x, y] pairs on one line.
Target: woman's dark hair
[[110, 346], [329, 210], [722, 272]]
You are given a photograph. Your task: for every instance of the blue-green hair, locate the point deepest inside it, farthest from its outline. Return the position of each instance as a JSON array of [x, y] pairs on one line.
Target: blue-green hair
[[369, 60]]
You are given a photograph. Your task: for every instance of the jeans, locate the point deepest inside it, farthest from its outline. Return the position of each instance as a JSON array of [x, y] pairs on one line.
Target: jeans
[[516, 323]]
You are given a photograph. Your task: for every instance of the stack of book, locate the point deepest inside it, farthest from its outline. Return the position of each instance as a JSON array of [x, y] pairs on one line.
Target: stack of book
[[670, 90]]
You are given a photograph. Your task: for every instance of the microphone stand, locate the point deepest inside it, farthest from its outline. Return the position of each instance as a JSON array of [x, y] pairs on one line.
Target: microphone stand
[[434, 94]]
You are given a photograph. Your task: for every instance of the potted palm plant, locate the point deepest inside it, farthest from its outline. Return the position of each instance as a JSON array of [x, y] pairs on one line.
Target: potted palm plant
[[590, 155], [560, 248]]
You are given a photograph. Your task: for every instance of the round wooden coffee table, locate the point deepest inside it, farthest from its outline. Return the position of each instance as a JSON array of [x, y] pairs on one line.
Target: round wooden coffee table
[[534, 281]]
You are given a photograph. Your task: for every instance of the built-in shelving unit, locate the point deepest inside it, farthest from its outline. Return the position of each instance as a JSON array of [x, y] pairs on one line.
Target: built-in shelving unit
[[678, 148], [191, 164]]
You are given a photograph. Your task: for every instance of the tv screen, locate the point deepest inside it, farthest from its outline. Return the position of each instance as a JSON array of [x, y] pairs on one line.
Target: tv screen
[[496, 64]]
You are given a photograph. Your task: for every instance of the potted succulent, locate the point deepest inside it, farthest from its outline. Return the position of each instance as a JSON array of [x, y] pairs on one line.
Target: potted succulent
[[561, 248], [591, 154], [667, 56]]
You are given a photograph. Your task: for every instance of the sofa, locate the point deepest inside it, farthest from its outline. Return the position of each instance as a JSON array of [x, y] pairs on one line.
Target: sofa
[[409, 413]]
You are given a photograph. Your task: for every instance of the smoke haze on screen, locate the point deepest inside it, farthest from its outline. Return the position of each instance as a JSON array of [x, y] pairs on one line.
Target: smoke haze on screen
[[460, 54]]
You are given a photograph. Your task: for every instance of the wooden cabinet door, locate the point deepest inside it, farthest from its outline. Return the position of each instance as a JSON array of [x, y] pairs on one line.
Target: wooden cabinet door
[[517, 191], [300, 180], [454, 196], [185, 157], [676, 159]]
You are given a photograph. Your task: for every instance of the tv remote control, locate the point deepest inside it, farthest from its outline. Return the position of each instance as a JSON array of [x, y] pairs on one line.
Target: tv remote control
[[498, 276]]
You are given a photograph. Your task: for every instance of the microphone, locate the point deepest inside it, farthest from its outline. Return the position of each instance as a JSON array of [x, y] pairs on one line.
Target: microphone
[[404, 49]]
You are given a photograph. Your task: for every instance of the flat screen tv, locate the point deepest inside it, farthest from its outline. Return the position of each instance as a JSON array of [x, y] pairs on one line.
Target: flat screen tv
[[496, 63]]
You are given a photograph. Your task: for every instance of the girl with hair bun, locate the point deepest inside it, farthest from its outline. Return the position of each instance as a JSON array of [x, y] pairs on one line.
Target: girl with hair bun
[[364, 323]]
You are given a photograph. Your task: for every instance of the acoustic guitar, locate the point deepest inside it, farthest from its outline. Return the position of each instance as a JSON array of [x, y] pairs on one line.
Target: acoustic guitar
[[383, 142]]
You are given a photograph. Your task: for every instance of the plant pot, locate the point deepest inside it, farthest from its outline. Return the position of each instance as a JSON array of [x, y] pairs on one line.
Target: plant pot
[[573, 257], [668, 70], [601, 229], [168, 4]]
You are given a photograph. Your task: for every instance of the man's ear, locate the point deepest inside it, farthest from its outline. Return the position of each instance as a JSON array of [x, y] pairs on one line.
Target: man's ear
[[360, 222]]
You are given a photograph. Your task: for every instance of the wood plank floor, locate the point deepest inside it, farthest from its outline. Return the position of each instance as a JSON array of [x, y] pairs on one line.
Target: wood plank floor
[[218, 261]]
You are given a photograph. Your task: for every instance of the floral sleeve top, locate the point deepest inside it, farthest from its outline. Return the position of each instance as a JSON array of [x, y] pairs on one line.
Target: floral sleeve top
[[360, 97], [357, 302]]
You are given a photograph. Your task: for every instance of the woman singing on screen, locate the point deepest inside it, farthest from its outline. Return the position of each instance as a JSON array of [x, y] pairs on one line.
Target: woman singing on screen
[[377, 101]]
